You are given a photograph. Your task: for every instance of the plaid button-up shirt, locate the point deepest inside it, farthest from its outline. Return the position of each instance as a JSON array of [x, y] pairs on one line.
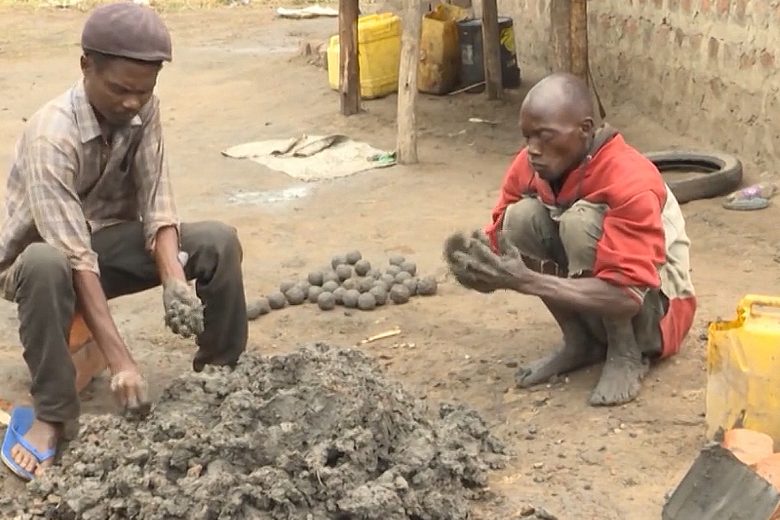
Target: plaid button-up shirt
[[67, 182]]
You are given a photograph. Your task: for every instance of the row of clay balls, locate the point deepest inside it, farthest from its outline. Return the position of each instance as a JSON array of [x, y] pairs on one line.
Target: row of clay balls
[[351, 282]]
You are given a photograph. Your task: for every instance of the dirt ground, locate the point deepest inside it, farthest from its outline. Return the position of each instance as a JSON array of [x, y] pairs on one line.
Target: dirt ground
[[236, 78]]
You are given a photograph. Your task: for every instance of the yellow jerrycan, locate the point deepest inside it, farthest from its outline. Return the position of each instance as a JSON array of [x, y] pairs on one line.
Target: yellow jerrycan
[[743, 369]]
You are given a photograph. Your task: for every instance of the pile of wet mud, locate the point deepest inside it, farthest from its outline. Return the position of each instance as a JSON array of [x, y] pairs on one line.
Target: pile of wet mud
[[316, 434]]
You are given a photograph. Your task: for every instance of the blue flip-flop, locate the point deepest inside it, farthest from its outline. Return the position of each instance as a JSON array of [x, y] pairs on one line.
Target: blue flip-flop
[[22, 418]]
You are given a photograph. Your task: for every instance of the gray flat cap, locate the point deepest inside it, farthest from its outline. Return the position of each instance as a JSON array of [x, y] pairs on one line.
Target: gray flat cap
[[127, 30]]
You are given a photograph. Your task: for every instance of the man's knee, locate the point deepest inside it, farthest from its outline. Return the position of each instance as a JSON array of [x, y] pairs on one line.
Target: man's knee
[[42, 266], [528, 226], [581, 228], [213, 238]]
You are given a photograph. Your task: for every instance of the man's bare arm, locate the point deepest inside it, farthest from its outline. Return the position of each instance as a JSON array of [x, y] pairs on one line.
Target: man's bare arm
[[166, 255], [587, 295], [94, 306]]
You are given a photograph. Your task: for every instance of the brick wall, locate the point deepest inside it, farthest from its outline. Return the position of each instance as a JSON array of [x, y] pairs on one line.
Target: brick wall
[[706, 68]]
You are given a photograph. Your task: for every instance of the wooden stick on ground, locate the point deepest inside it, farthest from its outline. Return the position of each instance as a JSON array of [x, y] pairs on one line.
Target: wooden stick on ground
[[381, 335], [407, 82], [492, 49], [349, 67]]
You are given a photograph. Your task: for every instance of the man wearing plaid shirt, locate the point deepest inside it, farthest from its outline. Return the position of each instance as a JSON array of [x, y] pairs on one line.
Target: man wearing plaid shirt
[[90, 216]]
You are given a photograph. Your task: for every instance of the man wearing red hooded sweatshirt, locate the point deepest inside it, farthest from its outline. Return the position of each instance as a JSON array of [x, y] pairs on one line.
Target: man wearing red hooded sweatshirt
[[587, 224]]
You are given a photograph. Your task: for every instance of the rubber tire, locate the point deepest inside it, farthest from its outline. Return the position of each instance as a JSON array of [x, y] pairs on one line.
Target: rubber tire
[[723, 173]]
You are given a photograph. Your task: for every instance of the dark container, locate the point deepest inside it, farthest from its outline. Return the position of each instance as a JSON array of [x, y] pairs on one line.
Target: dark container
[[472, 63]]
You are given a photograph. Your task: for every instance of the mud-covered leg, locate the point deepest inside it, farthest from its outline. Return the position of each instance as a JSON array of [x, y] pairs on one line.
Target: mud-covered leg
[[580, 349], [625, 367]]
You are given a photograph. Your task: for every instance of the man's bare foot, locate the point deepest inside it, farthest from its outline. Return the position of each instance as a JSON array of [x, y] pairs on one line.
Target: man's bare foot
[[43, 437], [621, 381], [565, 360]]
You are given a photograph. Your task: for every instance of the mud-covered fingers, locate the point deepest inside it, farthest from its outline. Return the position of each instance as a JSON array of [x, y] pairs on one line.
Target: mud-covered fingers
[[455, 242], [506, 247]]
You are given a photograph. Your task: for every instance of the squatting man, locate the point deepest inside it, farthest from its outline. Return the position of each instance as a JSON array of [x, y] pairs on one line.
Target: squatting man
[[90, 216], [586, 223]]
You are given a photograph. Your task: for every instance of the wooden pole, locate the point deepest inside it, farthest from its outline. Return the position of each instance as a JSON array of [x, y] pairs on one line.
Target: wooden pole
[[569, 36], [579, 38], [349, 68], [560, 35], [407, 82], [491, 49]]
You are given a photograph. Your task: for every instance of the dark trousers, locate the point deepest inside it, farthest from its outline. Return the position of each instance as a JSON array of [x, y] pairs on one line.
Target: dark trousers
[[41, 284]]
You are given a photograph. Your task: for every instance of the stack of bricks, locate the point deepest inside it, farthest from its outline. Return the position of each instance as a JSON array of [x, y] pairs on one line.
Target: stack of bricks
[[703, 68]]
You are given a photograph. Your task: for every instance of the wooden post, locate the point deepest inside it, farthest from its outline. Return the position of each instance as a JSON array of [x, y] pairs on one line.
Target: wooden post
[[491, 49], [579, 38], [560, 35], [407, 82], [349, 68], [569, 36]]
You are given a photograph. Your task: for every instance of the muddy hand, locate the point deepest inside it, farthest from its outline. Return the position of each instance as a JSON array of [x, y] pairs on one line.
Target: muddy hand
[[183, 308], [456, 254], [131, 392], [506, 270]]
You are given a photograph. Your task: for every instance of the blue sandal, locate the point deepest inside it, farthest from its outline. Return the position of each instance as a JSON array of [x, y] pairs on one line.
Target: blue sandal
[[22, 418]]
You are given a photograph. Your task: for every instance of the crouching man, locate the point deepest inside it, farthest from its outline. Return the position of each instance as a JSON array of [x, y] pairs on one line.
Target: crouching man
[[587, 224], [90, 216]]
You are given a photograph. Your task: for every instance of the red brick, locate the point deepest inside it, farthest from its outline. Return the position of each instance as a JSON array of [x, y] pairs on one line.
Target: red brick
[[739, 10], [714, 48], [695, 42], [705, 6], [767, 59], [630, 26], [747, 60], [723, 7], [679, 37]]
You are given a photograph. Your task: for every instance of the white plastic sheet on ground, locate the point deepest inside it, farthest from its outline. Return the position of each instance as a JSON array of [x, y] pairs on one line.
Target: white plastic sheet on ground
[[312, 11], [312, 157]]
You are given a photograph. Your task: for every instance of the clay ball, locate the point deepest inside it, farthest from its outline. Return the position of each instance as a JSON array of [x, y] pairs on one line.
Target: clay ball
[[397, 260], [343, 272], [374, 273], [399, 294], [277, 300], [393, 270], [257, 308], [365, 284], [380, 295], [402, 277], [337, 261], [382, 285], [350, 299], [314, 293], [330, 276], [338, 294], [295, 296], [326, 301], [315, 278], [286, 285], [362, 267], [354, 257], [366, 302], [411, 284], [409, 267], [330, 286], [303, 285], [388, 280], [427, 286], [350, 283]]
